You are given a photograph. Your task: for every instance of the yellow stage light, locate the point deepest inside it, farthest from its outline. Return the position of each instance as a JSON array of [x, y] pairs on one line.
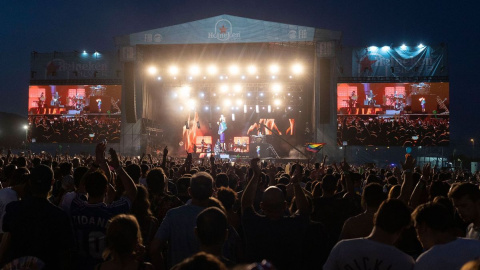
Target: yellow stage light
[[274, 69], [277, 87], [152, 70], [194, 70], [277, 102], [297, 69], [233, 69], [252, 69], [212, 69], [237, 88], [173, 70]]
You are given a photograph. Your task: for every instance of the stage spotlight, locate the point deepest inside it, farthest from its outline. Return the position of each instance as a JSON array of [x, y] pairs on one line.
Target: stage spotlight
[[194, 70], [181, 108], [174, 95], [403, 47], [274, 69], [273, 77], [204, 77], [290, 77], [152, 70], [85, 52], [421, 46], [244, 108], [243, 77], [173, 70], [385, 48], [248, 94], [202, 94], [256, 77], [224, 88], [233, 117], [252, 69], [218, 108], [159, 78], [185, 91], [190, 78], [373, 48], [239, 102], [269, 108], [212, 70], [237, 88], [206, 108], [191, 104], [297, 69], [227, 102], [276, 87], [277, 102], [261, 94], [257, 109], [233, 69], [221, 77]]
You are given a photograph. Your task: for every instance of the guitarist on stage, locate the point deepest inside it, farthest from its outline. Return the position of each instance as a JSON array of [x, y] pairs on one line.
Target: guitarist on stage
[[370, 100], [222, 127]]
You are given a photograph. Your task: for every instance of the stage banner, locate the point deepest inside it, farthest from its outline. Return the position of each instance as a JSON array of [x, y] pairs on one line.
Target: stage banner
[[74, 65], [399, 61], [227, 29]]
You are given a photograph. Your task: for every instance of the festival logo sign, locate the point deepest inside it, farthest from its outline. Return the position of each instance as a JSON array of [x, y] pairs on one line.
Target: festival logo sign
[[224, 31]]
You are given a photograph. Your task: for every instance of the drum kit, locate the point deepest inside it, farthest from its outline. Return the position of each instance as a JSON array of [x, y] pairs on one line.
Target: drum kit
[[397, 101]]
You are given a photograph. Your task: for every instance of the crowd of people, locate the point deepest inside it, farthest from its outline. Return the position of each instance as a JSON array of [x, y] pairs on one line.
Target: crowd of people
[[84, 129], [105, 211], [400, 131]]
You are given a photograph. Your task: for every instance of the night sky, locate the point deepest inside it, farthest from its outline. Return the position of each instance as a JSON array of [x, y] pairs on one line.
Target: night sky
[[59, 25]]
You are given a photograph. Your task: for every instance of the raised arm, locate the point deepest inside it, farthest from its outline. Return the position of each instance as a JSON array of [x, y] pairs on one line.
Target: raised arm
[[248, 196], [128, 184], [300, 198], [407, 185]]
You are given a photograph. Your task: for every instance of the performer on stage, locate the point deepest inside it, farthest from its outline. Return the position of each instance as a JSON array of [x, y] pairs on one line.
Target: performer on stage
[[422, 103], [222, 127], [370, 100], [352, 101], [55, 100], [99, 104]]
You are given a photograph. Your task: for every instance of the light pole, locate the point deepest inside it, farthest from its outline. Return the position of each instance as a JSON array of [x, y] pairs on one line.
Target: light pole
[[25, 127], [472, 140]]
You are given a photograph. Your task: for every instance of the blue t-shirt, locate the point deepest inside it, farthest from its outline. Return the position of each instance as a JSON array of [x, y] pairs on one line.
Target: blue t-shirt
[[90, 226], [178, 229]]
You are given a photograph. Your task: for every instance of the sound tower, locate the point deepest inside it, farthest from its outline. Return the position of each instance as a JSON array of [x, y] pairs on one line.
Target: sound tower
[[129, 88], [324, 90]]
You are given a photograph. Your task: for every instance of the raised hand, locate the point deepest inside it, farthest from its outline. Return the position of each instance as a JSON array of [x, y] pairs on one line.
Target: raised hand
[[409, 163], [255, 167], [115, 161]]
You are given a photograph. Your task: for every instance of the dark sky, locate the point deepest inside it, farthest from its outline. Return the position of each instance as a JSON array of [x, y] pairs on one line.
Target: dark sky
[[61, 25]]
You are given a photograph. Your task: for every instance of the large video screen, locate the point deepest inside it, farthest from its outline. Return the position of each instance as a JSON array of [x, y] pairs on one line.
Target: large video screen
[[393, 114], [74, 113]]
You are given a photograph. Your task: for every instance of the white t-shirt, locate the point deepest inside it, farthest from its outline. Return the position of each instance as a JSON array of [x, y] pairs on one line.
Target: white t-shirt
[[449, 256], [7, 195], [473, 232], [363, 253]]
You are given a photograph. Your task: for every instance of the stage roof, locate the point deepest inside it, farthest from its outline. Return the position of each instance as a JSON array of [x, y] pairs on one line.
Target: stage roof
[[227, 29]]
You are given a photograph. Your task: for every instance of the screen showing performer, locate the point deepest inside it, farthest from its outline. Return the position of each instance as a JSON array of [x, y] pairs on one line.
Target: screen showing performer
[[394, 113], [74, 113]]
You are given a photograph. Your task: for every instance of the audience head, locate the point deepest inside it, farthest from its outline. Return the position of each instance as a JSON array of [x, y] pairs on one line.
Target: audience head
[[156, 179], [41, 180], [201, 186], [227, 196], [212, 227], [431, 219], [134, 171], [273, 202], [466, 199], [373, 195], [96, 184], [123, 236], [200, 260], [392, 216]]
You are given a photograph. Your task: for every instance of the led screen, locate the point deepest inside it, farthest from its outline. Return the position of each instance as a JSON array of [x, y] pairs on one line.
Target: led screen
[[74, 113], [393, 114]]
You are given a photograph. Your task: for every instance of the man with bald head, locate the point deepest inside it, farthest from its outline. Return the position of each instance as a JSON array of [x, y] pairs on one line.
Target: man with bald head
[[274, 235]]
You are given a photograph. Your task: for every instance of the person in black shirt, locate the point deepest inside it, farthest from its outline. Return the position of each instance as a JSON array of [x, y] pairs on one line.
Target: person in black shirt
[[35, 227]]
